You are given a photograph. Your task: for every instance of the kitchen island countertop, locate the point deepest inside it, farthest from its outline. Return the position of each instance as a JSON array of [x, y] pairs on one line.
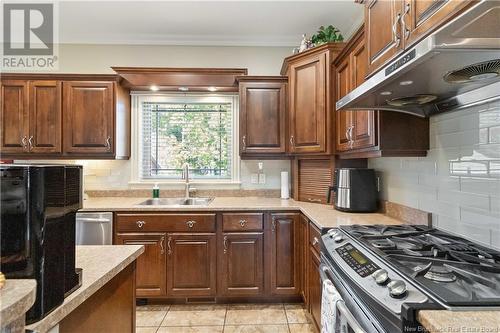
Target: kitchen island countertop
[[100, 264], [16, 298]]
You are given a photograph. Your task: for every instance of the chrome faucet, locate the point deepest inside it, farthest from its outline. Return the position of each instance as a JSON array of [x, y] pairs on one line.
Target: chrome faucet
[[186, 177]]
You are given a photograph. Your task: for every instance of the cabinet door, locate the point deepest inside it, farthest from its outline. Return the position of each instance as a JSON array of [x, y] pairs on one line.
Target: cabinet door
[[344, 118], [363, 122], [191, 265], [314, 286], [45, 117], [382, 31], [308, 105], [421, 17], [262, 117], [151, 279], [14, 117], [242, 264], [304, 258], [88, 117], [284, 254]]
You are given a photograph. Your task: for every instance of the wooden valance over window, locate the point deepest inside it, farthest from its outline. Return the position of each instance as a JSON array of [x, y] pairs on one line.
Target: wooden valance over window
[[180, 79]]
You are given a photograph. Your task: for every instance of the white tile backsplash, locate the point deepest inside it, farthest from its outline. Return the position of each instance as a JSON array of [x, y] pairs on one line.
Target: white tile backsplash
[[459, 179]]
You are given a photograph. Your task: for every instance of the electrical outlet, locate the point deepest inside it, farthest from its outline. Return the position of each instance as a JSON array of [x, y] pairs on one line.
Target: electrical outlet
[[254, 178], [262, 178]]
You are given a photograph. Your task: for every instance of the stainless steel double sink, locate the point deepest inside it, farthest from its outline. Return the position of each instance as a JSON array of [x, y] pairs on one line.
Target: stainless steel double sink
[[177, 202]]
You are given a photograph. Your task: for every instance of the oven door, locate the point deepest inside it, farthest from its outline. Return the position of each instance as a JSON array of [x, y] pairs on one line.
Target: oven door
[[351, 308]]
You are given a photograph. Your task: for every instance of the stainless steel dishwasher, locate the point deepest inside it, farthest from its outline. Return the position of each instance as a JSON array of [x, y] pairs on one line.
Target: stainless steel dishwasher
[[94, 228]]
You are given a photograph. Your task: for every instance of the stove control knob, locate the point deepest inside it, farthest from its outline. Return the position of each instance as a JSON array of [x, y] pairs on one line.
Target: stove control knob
[[332, 233], [397, 288], [338, 238], [380, 276]]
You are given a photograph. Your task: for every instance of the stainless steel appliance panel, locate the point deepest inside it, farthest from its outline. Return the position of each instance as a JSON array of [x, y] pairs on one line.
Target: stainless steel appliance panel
[[94, 228]]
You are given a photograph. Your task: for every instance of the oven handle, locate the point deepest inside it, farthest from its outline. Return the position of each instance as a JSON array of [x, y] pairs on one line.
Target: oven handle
[[324, 272]]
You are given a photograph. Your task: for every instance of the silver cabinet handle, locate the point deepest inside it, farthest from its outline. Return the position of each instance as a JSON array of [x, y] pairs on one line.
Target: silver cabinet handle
[[30, 143], [315, 241], [190, 223], [244, 139], [161, 245], [242, 223], [351, 140], [313, 200], [24, 142], [108, 143], [292, 140], [169, 247], [406, 31], [274, 224], [140, 224], [397, 38], [225, 244]]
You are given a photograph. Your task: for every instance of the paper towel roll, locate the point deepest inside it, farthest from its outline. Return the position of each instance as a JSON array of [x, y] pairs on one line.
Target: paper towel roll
[[285, 189]]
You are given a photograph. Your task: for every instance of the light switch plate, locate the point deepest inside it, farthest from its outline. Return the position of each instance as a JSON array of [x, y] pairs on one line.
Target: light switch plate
[[262, 178], [254, 178]]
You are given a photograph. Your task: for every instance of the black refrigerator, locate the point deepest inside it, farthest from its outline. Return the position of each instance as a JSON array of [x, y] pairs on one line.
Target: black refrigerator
[[37, 229]]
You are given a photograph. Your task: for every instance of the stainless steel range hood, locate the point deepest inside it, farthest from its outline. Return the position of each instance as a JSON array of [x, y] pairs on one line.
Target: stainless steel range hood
[[457, 65]]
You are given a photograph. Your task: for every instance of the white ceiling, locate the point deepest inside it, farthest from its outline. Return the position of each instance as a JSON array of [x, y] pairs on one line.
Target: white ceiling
[[241, 23]]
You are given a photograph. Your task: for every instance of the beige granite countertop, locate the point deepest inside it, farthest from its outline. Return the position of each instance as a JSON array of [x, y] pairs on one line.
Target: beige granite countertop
[[440, 321], [324, 216], [100, 263], [16, 298]]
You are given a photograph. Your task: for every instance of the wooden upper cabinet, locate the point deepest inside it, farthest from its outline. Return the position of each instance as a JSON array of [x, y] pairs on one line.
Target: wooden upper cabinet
[[151, 279], [242, 264], [88, 117], [344, 118], [45, 117], [191, 264], [262, 115], [14, 117], [307, 105], [285, 255], [421, 17], [382, 31]]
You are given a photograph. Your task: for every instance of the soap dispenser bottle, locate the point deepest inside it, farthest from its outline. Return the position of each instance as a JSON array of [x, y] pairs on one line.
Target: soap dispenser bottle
[[156, 191]]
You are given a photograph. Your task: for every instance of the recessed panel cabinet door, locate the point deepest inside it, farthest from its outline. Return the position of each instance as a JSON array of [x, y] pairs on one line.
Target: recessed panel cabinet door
[[382, 31], [308, 105], [88, 117], [284, 270], [262, 117], [191, 265], [14, 120], [242, 264], [151, 279], [45, 117]]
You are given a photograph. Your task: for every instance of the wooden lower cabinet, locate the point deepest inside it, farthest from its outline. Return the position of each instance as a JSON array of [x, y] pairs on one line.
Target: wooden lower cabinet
[[151, 280], [314, 286], [241, 266], [191, 264], [284, 260]]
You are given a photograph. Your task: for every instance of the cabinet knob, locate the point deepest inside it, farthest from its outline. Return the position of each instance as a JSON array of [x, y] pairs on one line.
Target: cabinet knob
[[242, 223], [190, 223], [140, 224], [315, 241]]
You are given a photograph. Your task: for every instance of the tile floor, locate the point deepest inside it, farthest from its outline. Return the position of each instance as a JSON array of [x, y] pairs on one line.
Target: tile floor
[[218, 318]]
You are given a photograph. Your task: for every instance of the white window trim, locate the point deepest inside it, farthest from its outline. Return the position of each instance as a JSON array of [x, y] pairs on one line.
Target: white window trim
[[136, 132]]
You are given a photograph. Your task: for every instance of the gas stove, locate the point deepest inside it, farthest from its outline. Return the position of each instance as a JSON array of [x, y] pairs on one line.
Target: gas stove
[[397, 270]]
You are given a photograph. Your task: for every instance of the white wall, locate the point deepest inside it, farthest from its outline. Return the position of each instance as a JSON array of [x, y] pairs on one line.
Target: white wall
[[459, 180], [73, 58]]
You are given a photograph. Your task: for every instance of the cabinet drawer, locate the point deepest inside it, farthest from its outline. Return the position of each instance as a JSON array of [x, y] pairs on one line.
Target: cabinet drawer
[[242, 222], [165, 222], [314, 237]]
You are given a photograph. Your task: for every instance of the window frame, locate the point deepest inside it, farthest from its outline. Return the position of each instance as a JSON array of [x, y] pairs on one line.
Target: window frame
[[138, 97]]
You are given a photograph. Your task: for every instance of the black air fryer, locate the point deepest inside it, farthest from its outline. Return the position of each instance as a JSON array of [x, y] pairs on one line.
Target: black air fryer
[[355, 190], [38, 209]]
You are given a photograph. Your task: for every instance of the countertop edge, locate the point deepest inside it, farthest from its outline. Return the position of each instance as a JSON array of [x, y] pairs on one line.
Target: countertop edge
[[70, 304], [14, 310]]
